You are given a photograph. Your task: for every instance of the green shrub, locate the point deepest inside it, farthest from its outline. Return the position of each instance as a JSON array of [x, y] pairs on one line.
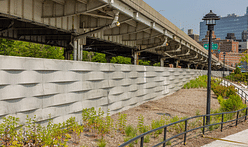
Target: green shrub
[[237, 70], [220, 99], [223, 91], [102, 143], [122, 121], [200, 82], [130, 131], [156, 124], [233, 103]]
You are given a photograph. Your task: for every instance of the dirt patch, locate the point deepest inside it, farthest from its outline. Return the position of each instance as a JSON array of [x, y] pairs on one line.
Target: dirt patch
[[183, 103]]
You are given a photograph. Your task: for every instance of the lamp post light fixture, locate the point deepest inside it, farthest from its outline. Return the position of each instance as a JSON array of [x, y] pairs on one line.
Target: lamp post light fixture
[[224, 54], [210, 19]]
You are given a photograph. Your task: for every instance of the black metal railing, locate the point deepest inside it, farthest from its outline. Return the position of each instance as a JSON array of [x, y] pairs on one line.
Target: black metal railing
[[165, 140]]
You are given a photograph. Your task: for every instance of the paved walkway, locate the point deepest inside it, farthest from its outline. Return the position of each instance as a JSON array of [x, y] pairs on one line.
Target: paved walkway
[[241, 137]]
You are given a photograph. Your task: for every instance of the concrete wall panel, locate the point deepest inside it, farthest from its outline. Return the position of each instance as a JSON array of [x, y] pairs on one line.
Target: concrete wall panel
[[32, 86]]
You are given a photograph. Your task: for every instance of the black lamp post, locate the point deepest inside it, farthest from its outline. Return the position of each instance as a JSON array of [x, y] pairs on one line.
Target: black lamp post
[[210, 19], [224, 54]]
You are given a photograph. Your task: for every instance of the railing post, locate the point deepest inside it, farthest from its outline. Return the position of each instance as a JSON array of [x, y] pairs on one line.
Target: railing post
[[245, 98], [237, 118], [222, 120], [203, 129], [185, 134], [142, 141], [246, 114], [165, 130]]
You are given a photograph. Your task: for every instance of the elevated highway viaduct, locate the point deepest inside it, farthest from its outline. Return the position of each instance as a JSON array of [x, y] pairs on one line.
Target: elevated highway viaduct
[[129, 28]]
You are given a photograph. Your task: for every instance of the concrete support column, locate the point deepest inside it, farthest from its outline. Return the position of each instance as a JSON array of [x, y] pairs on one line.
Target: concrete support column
[[75, 51], [108, 58], [79, 50], [188, 65], [177, 62], [82, 48], [161, 62], [66, 55], [196, 66], [136, 58]]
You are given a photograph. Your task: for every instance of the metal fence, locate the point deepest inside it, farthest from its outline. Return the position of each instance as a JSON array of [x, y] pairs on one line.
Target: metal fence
[[185, 121], [240, 91], [232, 78]]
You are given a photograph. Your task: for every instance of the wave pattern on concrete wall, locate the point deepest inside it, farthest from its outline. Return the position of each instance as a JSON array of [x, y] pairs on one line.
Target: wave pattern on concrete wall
[[32, 86]]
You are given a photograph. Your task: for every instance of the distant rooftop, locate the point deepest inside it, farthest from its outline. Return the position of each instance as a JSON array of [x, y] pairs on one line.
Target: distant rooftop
[[234, 15]]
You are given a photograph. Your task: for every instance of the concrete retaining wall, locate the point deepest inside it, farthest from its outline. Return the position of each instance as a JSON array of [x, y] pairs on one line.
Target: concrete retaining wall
[[32, 86]]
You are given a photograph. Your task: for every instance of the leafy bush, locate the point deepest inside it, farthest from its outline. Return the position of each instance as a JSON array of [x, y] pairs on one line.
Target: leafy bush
[[27, 49], [200, 82], [237, 70], [33, 134], [121, 60], [144, 62], [102, 143], [156, 124], [122, 121], [130, 131], [141, 127], [94, 120], [179, 127], [220, 99], [233, 103], [223, 91]]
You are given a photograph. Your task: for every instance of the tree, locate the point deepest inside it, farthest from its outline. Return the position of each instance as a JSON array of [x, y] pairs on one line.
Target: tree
[[27, 49], [144, 62], [99, 57], [244, 59], [121, 60], [87, 56], [157, 64], [237, 70]]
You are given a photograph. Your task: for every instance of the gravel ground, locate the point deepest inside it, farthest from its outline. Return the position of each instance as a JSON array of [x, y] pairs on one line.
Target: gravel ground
[[183, 103]]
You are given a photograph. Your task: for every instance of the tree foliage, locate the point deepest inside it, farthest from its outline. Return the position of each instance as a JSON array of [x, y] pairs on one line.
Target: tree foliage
[[144, 62], [237, 70], [244, 58], [27, 49], [99, 57], [87, 56], [121, 60]]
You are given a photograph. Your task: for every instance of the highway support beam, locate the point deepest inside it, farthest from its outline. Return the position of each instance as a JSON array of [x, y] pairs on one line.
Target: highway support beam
[[188, 65], [162, 62], [114, 23], [77, 50], [177, 63], [136, 58]]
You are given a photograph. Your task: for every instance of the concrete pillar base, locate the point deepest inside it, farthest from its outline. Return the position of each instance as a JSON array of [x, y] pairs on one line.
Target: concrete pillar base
[[162, 62], [188, 65]]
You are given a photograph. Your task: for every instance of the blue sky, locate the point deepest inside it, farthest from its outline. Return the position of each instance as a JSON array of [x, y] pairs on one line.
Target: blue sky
[[188, 14]]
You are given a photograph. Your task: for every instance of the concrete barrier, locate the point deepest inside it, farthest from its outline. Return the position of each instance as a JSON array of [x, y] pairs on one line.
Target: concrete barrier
[[34, 86]]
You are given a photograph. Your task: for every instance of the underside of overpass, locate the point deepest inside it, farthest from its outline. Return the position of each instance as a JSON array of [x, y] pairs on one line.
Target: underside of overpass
[[114, 27]]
